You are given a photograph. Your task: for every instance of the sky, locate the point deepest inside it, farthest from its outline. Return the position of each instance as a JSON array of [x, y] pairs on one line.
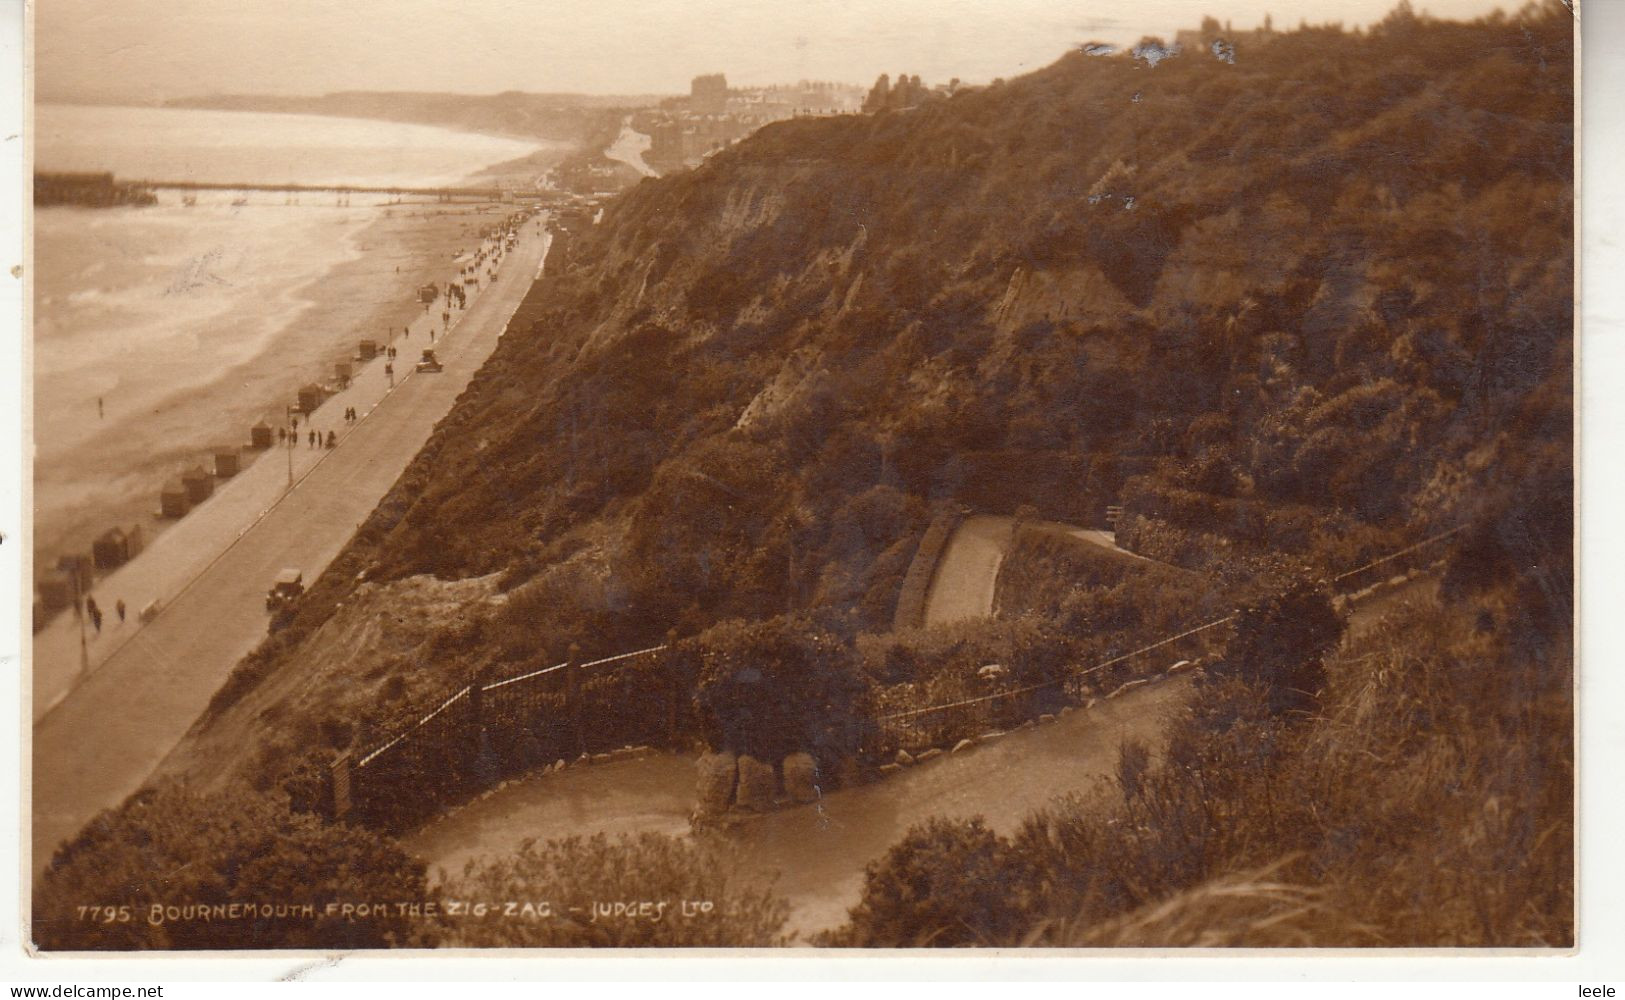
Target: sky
[[138, 50]]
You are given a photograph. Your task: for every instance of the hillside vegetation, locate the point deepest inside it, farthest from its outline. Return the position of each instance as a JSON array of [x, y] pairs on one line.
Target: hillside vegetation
[[1290, 311]]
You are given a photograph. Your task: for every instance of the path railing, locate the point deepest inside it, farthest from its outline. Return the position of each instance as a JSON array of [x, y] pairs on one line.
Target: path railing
[[944, 724], [494, 729]]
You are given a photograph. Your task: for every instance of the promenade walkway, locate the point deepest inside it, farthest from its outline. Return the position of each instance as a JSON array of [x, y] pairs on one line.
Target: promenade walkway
[[99, 732]]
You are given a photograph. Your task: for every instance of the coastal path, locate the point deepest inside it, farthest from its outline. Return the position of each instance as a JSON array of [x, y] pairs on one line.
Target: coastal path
[[815, 854], [629, 148], [967, 573], [818, 852], [99, 733]]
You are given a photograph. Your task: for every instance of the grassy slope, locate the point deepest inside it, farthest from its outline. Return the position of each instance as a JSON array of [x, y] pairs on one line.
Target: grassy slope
[[1342, 288]]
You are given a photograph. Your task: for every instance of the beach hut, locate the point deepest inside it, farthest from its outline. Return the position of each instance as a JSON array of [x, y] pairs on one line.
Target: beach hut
[[111, 549], [343, 370], [227, 462], [198, 484], [310, 397], [173, 501], [259, 436], [368, 350], [428, 293]]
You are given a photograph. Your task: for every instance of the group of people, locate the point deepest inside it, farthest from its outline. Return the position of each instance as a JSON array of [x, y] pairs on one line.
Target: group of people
[[95, 612]]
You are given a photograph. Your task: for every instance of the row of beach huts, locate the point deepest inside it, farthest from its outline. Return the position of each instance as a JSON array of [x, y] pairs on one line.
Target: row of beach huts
[[66, 583]]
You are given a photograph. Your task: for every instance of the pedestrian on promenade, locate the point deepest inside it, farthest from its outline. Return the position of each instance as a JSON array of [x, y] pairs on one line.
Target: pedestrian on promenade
[[313, 437], [332, 439], [99, 411], [119, 607], [281, 435], [95, 613]]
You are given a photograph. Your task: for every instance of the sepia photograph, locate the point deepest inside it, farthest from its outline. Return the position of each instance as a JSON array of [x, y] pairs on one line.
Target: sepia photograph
[[1033, 474]]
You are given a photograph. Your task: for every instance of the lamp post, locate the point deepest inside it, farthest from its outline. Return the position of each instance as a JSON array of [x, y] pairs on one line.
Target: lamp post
[[79, 612], [293, 439]]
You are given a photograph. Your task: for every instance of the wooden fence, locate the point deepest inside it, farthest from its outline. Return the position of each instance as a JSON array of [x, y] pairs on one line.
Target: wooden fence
[[493, 730]]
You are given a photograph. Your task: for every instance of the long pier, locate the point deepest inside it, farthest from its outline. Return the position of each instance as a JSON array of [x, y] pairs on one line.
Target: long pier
[[442, 192]]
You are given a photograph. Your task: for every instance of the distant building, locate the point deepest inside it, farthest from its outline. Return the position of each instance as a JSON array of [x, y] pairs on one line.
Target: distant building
[[708, 95]]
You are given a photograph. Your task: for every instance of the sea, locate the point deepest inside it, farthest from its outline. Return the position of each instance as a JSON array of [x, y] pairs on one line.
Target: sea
[[155, 327]]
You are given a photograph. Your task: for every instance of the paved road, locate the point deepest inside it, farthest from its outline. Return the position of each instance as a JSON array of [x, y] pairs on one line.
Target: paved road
[[967, 572], [629, 148], [101, 741], [963, 582]]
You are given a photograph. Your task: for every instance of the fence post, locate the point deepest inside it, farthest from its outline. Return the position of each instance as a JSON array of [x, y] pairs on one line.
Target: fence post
[[337, 804], [572, 696], [482, 764], [672, 693]]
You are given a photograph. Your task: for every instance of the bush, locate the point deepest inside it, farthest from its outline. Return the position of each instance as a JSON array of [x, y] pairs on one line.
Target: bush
[[169, 846], [948, 883], [570, 876], [771, 688], [1279, 644]]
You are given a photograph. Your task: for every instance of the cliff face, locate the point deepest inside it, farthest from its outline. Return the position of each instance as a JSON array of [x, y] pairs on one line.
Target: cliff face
[[1334, 275]]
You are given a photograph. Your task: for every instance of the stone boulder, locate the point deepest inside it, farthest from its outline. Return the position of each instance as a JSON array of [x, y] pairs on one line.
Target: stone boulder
[[801, 777], [718, 774], [757, 785], [904, 758]]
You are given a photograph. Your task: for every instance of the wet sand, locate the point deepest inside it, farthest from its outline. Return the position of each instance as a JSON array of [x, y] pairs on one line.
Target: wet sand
[[108, 471]]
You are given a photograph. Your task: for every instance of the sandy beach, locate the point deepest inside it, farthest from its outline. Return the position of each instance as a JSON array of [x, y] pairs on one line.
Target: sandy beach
[[169, 399]]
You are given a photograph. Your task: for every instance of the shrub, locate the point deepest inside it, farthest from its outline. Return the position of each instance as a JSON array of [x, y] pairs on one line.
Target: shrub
[[774, 687], [169, 846], [1279, 643], [569, 876], [947, 883]]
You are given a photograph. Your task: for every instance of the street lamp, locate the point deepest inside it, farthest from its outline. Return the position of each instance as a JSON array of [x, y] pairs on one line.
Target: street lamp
[[293, 439]]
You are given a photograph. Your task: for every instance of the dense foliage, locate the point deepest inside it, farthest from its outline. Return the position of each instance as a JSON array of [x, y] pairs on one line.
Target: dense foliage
[[569, 883], [164, 870], [1289, 310], [1429, 803], [1286, 293]]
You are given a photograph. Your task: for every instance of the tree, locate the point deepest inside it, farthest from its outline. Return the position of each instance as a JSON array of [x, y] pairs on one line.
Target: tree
[[774, 687], [178, 862], [947, 883], [1280, 643], [879, 95]]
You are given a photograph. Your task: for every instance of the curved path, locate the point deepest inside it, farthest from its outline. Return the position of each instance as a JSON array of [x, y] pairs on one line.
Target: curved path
[[967, 574], [963, 583], [814, 854], [103, 734], [629, 147]]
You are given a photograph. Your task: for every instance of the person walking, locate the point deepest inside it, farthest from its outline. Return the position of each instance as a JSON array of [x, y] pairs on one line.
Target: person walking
[[313, 437], [95, 613], [332, 439], [99, 411], [119, 607]]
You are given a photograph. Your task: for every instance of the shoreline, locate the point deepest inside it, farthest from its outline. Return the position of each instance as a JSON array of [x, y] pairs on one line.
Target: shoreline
[[365, 294]]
